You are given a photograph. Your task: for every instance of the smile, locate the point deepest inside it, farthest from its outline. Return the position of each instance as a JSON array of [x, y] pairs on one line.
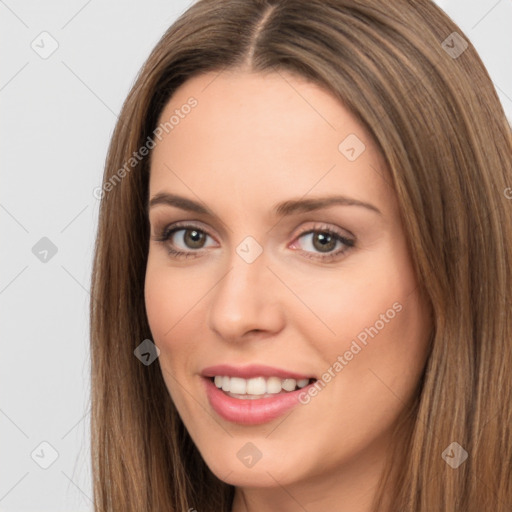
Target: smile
[[253, 394], [257, 387]]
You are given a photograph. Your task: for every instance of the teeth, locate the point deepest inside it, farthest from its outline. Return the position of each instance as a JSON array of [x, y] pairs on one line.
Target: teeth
[[257, 385], [274, 385], [237, 385], [289, 384]]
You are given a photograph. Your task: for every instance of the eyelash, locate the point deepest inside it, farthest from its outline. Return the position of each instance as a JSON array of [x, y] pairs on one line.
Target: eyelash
[[167, 232]]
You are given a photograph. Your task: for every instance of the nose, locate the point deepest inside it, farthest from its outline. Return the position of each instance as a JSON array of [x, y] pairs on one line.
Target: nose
[[246, 301]]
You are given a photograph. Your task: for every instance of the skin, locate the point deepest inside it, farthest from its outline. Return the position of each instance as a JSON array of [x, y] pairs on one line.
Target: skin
[[252, 141]]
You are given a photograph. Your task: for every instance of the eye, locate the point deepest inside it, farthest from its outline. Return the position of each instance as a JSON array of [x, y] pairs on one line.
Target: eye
[[320, 242], [191, 238], [183, 240], [323, 243]]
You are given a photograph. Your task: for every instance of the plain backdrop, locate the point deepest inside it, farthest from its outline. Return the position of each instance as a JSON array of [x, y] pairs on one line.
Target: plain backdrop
[[58, 112]]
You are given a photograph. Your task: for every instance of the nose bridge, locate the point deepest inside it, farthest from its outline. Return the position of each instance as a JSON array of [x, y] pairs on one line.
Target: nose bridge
[[244, 299]]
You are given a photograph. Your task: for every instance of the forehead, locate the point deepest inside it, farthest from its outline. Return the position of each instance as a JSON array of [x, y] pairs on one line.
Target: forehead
[[264, 137]]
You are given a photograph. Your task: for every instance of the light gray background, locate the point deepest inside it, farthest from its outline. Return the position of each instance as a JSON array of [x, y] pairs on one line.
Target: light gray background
[[58, 115]]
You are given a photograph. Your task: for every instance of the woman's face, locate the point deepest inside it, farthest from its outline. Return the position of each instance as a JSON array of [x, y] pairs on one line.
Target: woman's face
[[294, 267]]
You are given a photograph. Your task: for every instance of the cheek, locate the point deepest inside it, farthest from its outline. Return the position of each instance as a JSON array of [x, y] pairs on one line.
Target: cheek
[[170, 294], [170, 303], [355, 301], [372, 316], [378, 356], [160, 302], [170, 308]]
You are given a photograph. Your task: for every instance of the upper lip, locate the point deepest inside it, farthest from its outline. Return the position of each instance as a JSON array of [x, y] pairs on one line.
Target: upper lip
[[252, 370]]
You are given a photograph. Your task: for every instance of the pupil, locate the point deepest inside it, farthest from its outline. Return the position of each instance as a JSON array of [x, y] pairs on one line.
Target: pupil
[[325, 241]]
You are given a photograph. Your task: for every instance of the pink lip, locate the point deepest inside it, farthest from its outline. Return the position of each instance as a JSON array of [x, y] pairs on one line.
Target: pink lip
[[253, 370], [251, 412]]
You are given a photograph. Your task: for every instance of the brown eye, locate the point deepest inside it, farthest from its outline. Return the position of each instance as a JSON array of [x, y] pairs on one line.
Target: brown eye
[[193, 238], [324, 242], [185, 240]]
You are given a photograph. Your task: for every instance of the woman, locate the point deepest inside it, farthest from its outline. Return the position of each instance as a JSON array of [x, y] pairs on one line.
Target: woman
[[303, 268]]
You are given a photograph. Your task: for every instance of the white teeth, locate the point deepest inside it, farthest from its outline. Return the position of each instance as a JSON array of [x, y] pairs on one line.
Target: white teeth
[[237, 385], [289, 384], [257, 385], [274, 385]]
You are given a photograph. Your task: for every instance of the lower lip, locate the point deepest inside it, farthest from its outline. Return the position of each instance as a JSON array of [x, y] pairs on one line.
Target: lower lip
[[251, 412]]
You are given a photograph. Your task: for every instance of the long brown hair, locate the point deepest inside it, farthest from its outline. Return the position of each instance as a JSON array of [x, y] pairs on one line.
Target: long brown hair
[[431, 107]]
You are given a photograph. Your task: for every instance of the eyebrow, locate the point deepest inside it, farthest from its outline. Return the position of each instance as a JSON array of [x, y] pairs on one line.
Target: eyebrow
[[284, 208]]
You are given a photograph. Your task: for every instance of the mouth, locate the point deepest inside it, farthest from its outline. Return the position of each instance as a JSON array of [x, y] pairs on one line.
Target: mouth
[[258, 387], [255, 400]]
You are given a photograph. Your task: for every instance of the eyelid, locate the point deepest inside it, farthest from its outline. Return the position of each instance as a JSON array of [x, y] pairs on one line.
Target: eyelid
[[348, 243], [321, 226], [183, 224]]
